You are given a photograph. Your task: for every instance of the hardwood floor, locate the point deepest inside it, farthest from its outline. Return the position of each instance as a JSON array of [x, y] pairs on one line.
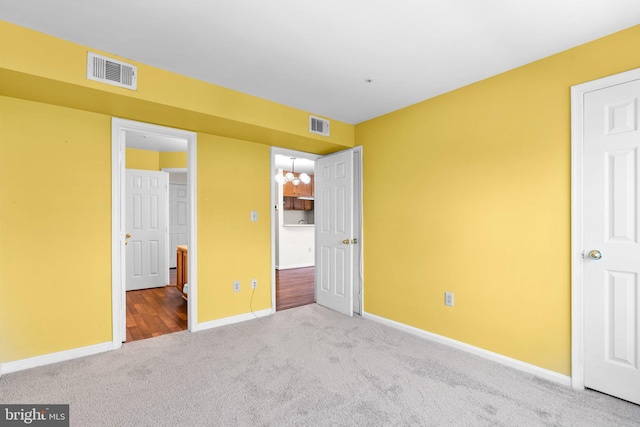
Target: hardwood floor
[[158, 311], [154, 312], [294, 287]]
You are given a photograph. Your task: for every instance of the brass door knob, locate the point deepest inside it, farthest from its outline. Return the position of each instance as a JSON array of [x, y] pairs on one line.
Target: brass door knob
[[128, 236]]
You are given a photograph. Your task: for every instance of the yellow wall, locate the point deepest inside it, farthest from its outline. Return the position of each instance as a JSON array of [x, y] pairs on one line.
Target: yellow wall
[[469, 192], [142, 159], [162, 97], [153, 160], [55, 229], [173, 159], [232, 182], [55, 295]]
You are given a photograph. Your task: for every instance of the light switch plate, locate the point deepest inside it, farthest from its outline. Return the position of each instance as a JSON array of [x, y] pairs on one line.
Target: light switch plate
[[254, 216]]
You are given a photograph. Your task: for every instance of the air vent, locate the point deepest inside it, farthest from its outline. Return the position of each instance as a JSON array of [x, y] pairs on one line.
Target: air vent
[[111, 71], [319, 126]]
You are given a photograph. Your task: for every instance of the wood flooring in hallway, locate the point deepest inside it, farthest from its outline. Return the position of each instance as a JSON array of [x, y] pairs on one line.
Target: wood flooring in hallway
[[158, 311], [295, 287]]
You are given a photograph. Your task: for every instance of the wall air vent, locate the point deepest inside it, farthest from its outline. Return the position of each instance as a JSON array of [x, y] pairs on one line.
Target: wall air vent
[[319, 126], [111, 71]]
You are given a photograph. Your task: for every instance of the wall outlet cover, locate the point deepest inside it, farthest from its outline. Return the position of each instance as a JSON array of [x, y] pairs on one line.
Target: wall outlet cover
[[236, 286], [448, 299]]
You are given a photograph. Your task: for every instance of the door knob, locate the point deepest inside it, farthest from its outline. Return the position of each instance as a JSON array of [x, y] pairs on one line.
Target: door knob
[[346, 241], [128, 236], [595, 255]]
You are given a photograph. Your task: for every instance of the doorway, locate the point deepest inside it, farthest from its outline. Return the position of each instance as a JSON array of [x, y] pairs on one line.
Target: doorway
[[605, 240], [294, 223], [294, 230], [124, 135]]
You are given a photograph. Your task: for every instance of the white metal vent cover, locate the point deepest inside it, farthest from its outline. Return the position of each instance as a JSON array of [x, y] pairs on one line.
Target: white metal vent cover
[[319, 126], [111, 71]]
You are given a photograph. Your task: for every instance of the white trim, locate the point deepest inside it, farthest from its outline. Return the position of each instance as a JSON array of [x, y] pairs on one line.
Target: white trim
[[192, 268], [292, 266], [117, 218], [118, 128], [167, 236], [495, 357], [234, 319], [577, 215], [61, 356], [176, 170], [360, 201]]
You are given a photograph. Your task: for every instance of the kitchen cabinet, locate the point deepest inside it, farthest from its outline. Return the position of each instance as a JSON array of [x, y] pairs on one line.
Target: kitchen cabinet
[[293, 203], [301, 190]]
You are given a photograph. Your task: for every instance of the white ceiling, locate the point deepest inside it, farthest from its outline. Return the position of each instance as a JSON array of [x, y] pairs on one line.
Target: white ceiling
[[154, 142], [316, 55], [301, 164]]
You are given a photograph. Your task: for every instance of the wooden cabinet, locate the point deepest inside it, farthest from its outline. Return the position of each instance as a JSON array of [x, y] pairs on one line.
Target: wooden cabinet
[[293, 203], [182, 269], [292, 192], [301, 190]]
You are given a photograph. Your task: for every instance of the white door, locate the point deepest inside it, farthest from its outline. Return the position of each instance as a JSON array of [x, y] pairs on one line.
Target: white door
[[334, 231], [611, 240], [178, 219], [146, 223]]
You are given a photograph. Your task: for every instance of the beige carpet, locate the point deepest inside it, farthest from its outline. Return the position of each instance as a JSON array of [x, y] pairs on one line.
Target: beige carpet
[[305, 366]]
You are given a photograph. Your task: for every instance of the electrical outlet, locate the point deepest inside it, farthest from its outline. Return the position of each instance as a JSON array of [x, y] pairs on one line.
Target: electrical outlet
[[254, 283], [448, 299], [236, 286]]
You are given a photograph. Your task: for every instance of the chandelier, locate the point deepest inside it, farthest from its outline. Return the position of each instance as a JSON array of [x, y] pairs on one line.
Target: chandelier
[[291, 177]]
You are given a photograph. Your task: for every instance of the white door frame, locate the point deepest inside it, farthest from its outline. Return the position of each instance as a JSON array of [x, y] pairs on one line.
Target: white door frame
[[577, 216], [170, 171], [118, 146], [357, 199]]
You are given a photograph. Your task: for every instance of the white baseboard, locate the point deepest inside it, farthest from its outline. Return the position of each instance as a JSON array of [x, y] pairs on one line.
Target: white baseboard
[[508, 361], [61, 356], [292, 266], [47, 359], [234, 319]]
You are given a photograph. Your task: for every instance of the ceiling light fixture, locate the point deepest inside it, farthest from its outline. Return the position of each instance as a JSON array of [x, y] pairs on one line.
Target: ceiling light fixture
[[291, 176]]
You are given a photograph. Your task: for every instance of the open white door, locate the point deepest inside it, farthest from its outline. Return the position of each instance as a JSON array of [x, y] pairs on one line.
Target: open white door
[[146, 227], [334, 186], [611, 251]]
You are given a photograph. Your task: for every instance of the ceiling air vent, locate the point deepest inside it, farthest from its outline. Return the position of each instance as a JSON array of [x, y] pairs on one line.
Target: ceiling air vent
[[319, 126], [111, 71]]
